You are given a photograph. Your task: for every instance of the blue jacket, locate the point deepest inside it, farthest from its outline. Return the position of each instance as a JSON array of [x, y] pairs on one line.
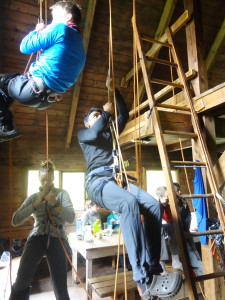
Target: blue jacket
[[116, 217], [62, 57]]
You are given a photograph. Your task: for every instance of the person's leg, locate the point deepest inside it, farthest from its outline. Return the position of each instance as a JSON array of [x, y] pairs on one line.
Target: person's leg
[[195, 259], [57, 263], [164, 255], [117, 199], [170, 231], [151, 209], [7, 130], [32, 255], [112, 197]]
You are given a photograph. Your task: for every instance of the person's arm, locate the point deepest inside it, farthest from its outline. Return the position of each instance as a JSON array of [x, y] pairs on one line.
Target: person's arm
[[92, 134], [61, 205], [123, 114], [122, 111], [28, 207], [39, 39]]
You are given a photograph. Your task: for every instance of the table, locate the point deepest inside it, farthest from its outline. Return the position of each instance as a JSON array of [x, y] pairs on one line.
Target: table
[[107, 246]]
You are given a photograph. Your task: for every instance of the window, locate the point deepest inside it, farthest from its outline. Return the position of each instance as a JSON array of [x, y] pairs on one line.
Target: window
[[154, 179], [34, 183], [72, 182]]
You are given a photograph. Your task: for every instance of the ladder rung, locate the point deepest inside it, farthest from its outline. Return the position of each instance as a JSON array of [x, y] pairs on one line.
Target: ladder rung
[[202, 233], [183, 134], [151, 40], [192, 196], [209, 276], [161, 61], [188, 163], [165, 82], [172, 106]]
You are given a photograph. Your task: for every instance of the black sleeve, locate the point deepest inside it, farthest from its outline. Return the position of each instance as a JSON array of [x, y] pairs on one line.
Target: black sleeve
[[123, 114], [94, 132]]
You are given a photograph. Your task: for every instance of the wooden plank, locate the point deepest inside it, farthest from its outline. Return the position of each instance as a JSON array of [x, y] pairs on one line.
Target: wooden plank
[[176, 146], [142, 126], [219, 170], [109, 277], [167, 83], [209, 100], [189, 75], [109, 291], [217, 43], [86, 37]]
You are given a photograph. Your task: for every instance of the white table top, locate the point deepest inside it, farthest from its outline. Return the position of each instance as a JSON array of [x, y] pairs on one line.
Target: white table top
[[106, 246]]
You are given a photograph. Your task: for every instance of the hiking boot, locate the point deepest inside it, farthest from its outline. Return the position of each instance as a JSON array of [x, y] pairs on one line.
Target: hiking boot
[[7, 133]]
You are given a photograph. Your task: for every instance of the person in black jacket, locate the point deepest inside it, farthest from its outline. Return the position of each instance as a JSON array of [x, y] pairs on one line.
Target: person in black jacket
[[142, 244]]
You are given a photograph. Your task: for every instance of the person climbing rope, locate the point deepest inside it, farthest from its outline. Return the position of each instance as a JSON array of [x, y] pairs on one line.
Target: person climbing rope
[[142, 244], [51, 208], [62, 58]]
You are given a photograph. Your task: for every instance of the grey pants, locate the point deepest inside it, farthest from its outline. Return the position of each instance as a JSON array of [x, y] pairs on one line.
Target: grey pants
[[169, 231], [35, 249], [143, 243], [195, 259]]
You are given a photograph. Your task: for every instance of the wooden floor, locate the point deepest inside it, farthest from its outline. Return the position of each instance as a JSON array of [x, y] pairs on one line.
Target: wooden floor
[[42, 288]]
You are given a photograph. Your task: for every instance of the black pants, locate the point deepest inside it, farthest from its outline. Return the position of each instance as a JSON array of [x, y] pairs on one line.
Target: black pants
[[35, 248], [26, 92]]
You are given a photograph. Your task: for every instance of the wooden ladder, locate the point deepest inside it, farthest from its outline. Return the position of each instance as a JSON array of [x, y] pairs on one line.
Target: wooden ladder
[[197, 135]]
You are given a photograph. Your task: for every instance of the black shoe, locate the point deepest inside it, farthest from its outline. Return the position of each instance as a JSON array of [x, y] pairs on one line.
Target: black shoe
[[8, 134]]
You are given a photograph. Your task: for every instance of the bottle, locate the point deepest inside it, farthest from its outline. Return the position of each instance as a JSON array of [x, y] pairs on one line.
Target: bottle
[[97, 226], [79, 230]]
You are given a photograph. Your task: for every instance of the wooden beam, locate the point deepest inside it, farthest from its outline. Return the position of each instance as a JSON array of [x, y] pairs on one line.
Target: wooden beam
[[215, 47], [209, 100], [164, 22], [195, 49], [77, 87], [219, 170], [1, 34]]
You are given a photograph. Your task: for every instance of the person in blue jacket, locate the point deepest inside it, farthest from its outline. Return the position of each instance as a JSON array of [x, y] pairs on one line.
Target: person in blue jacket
[[61, 59], [114, 220]]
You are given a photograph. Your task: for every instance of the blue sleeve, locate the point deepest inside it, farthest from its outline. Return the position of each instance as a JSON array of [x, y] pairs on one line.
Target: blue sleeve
[[39, 40]]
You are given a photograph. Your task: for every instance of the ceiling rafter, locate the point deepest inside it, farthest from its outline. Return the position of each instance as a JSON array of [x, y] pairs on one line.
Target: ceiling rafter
[[76, 92], [216, 45]]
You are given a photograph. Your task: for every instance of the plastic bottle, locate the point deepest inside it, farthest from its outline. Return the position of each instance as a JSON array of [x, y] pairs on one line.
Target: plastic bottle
[[79, 230], [97, 226]]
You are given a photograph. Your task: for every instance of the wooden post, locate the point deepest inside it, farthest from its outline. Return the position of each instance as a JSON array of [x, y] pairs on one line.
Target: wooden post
[[214, 289]]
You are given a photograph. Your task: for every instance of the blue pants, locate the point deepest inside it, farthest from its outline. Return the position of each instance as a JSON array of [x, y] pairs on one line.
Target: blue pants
[[142, 244], [35, 249]]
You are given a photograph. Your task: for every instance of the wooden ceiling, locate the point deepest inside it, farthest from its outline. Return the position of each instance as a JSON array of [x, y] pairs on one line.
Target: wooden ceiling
[[18, 17]]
